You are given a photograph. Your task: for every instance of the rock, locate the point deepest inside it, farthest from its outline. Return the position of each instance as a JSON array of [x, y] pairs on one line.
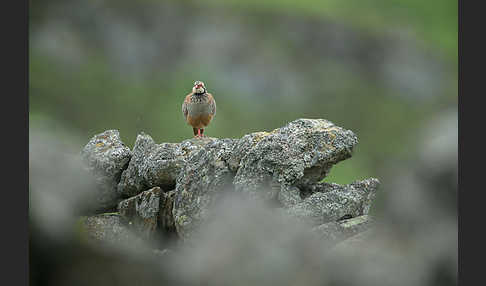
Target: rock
[[302, 152], [156, 164], [106, 228], [289, 196], [334, 202], [204, 178], [142, 211], [242, 146], [284, 165], [265, 163], [334, 232], [166, 219], [106, 156]]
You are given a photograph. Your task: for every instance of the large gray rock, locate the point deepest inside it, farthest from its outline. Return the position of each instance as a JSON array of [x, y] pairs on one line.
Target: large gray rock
[[204, 178], [142, 211], [150, 212], [156, 164], [302, 152], [332, 202], [284, 165], [106, 156], [263, 164]]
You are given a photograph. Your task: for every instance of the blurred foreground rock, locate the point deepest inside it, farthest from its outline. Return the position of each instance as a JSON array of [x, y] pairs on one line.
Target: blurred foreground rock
[[106, 227], [333, 202], [175, 186], [337, 231]]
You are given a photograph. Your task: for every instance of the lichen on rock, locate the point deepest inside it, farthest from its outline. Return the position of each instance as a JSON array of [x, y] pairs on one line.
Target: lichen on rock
[[302, 152]]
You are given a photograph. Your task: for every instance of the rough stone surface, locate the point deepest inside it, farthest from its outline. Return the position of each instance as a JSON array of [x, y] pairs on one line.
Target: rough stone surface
[[284, 166], [106, 156], [106, 228], [166, 219], [302, 152], [205, 176], [334, 232], [289, 196], [335, 202], [242, 146], [142, 211], [156, 164]]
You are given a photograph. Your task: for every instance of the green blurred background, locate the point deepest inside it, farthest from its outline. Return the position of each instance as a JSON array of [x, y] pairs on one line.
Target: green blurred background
[[385, 69]]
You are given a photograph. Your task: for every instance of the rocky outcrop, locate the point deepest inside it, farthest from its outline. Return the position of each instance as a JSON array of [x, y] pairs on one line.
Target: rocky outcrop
[[175, 186]]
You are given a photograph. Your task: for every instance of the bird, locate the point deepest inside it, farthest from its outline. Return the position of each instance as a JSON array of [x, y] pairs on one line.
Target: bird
[[199, 108]]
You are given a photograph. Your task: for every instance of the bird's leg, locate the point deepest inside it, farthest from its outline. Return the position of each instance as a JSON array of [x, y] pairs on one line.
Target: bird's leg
[[202, 131], [195, 131], [199, 134]]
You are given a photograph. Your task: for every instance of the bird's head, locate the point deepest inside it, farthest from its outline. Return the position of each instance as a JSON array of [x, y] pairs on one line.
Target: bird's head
[[199, 87]]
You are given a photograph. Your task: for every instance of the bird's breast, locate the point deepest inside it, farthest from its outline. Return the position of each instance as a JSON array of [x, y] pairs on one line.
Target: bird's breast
[[198, 108]]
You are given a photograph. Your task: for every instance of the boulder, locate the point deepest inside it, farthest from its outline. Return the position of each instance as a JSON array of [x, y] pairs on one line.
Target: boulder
[[106, 156], [155, 165], [204, 178], [142, 211], [334, 202], [302, 152]]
